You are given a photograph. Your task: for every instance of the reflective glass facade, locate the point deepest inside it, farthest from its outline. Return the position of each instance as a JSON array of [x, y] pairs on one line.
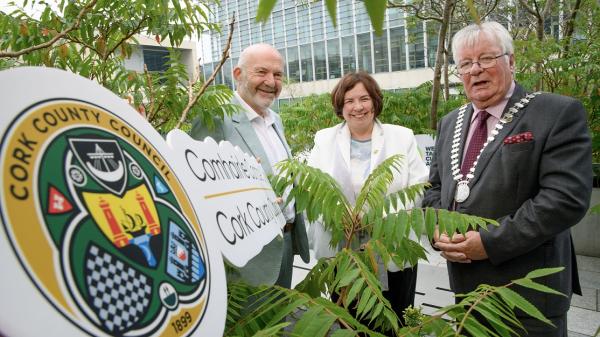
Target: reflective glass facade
[[316, 50]]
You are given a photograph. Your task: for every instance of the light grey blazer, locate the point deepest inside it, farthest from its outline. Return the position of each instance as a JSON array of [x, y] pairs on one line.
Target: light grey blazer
[[276, 256], [536, 190]]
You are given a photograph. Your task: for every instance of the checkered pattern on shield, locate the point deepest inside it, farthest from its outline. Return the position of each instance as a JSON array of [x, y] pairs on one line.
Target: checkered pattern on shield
[[119, 294]]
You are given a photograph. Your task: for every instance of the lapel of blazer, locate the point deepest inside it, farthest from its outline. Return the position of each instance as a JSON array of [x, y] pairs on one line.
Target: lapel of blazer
[[466, 126], [492, 147], [343, 142], [242, 125], [377, 146]]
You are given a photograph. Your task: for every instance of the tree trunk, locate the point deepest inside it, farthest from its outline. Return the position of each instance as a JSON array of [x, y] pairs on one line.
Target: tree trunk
[[570, 28], [447, 64], [435, 91]]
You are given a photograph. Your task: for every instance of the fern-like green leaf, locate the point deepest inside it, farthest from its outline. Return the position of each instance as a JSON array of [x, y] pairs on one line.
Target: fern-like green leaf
[[543, 272], [537, 286], [516, 300]]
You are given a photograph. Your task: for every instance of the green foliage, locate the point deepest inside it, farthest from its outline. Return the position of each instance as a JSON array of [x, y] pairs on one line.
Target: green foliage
[[93, 38], [304, 117], [413, 317], [384, 227], [569, 65]]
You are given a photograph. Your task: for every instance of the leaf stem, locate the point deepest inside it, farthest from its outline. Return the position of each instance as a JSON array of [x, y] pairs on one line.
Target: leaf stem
[[206, 83]]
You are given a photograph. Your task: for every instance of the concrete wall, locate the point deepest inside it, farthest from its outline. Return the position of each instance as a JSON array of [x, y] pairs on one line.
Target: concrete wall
[[586, 234]]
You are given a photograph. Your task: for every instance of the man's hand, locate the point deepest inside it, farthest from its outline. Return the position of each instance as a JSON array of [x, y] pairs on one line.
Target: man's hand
[[462, 248]]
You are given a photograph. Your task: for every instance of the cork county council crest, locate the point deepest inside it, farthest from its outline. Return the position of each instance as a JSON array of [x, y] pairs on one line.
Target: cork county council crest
[[100, 224]]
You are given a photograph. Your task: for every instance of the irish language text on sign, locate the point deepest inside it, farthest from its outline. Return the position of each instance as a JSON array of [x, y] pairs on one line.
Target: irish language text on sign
[[233, 193]]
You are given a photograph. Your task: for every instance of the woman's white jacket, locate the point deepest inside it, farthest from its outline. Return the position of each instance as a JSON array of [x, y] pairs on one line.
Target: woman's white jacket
[[331, 154]]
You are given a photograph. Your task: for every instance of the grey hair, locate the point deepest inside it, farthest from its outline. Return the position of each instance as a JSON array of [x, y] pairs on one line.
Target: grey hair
[[244, 55], [469, 37]]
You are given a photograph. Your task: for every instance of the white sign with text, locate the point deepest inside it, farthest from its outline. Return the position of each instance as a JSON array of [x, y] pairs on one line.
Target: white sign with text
[[232, 193], [426, 145]]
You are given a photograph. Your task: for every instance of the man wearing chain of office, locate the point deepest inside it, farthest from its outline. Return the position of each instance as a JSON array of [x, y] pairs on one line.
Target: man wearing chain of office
[[523, 159]]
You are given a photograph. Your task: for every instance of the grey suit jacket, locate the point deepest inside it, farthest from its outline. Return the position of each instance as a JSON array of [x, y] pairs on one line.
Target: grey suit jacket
[[536, 190], [266, 266]]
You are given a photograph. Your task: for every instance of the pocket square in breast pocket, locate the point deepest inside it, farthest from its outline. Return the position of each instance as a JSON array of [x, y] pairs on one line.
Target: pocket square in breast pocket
[[523, 137]]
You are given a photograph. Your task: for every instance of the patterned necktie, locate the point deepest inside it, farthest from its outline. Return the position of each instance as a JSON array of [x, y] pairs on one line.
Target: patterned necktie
[[477, 139]]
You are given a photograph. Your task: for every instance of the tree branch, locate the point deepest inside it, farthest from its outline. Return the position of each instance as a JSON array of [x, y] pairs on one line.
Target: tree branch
[[547, 8], [416, 11], [151, 98], [52, 41], [570, 28], [492, 8], [195, 99], [528, 8], [134, 31]]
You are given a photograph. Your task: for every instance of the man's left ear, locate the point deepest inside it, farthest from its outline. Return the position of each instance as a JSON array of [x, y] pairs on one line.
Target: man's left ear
[[237, 71], [511, 62]]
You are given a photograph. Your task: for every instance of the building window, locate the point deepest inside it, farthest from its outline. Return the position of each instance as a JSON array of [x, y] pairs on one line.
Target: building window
[[363, 43], [290, 27], [433, 29], [345, 21], [293, 65], [320, 61], [267, 32], [333, 55], [395, 17], [316, 18], [207, 70], [348, 55], [235, 39], [363, 23], [282, 53], [242, 10], [397, 49], [278, 29], [330, 30], [226, 70], [306, 63], [255, 35], [380, 52], [156, 59], [416, 47], [303, 28], [244, 30], [219, 76], [252, 5]]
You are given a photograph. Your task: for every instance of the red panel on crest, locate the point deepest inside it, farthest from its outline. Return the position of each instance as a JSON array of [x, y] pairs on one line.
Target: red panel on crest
[[57, 202]]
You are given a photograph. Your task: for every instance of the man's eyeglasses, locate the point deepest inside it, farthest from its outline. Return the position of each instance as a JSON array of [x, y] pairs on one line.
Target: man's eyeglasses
[[484, 62]]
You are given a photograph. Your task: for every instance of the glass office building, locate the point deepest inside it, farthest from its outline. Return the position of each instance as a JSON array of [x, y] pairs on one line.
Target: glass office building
[[315, 50]]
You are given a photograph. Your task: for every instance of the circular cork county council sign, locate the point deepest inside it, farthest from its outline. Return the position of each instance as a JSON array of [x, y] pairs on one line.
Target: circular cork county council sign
[[98, 235]]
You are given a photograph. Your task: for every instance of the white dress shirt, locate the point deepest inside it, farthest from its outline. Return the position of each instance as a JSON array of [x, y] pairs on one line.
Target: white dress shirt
[[272, 144]]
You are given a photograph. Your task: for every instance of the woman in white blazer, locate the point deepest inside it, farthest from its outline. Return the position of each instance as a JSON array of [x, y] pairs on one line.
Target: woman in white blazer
[[350, 151]]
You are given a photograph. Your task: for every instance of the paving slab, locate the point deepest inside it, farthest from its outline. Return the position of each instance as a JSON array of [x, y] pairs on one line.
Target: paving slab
[[588, 263], [589, 279], [583, 321], [589, 299]]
